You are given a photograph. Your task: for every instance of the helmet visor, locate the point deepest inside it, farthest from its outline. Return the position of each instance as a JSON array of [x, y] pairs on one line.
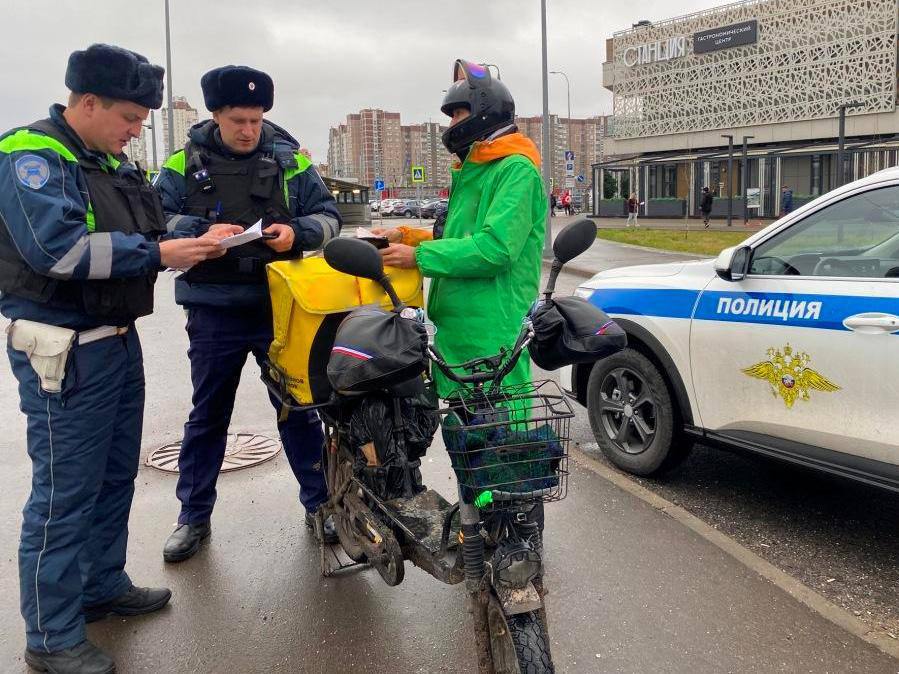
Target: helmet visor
[[457, 96]]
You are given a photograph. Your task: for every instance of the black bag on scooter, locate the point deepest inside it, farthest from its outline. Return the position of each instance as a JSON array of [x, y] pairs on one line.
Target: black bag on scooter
[[571, 330], [375, 349], [392, 430]]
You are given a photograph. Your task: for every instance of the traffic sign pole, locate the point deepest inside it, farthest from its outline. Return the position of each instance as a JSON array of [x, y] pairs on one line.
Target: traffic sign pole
[[418, 177], [569, 171], [379, 186]]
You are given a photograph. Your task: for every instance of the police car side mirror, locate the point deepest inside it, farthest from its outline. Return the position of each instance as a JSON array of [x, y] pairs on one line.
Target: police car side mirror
[[733, 263]]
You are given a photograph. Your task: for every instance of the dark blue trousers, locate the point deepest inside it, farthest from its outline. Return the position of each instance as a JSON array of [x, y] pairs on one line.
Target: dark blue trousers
[[84, 444], [220, 340]]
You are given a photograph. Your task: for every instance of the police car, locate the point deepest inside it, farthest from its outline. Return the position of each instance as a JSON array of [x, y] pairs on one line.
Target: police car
[[786, 345]]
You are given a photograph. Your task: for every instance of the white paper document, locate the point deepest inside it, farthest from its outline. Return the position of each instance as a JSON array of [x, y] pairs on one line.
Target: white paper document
[[362, 233], [249, 234]]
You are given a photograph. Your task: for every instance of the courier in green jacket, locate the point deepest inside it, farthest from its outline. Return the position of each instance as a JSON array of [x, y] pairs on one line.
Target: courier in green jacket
[[486, 262]]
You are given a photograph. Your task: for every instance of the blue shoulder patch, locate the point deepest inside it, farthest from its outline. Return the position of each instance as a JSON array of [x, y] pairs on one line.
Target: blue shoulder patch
[[33, 171]]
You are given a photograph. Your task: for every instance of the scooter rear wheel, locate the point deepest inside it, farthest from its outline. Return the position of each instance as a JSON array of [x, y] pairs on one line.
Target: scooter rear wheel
[[343, 516], [390, 566], [347, 538]]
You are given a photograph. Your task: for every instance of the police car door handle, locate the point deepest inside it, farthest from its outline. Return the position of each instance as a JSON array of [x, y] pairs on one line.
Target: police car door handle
[[873, 323]]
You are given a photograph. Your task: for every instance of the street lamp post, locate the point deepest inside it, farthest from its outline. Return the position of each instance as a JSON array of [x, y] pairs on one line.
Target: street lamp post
[[568, 93], [152, 128], [568, 89], [547, 243], [168, 74], [841, 169], [730, 182], [745, 180]]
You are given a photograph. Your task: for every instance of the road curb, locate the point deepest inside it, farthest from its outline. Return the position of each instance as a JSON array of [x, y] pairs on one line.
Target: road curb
[[663, 251], [799, 591], [575, 270], [572, 269]]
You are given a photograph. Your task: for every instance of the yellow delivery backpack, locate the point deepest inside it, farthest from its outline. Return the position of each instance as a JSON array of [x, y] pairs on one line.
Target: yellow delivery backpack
[[309, 300]]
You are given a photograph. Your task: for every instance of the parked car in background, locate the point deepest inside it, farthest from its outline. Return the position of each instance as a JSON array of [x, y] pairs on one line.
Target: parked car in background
[[429, 209], [404, 208], [387, 206], [786, 345], [374, 204]]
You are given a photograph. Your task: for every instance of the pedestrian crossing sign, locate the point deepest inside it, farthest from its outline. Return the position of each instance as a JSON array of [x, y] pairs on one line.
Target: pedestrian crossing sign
[[418, 174]]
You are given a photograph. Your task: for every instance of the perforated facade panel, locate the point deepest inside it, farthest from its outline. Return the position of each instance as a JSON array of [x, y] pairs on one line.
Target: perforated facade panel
[[810, 56]]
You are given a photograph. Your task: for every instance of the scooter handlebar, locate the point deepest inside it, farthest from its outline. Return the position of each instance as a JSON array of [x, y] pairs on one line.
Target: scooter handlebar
[[498, 366]]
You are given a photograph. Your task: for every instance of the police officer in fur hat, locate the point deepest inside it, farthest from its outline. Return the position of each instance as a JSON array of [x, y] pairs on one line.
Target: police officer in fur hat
[[236, 169], [81, 240]]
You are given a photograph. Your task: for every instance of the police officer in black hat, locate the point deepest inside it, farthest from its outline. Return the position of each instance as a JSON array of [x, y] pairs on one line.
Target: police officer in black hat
[[235, 170], [80, 246]]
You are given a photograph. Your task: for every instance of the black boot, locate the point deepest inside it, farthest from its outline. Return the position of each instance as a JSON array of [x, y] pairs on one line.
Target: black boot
[[136, 601], [184, 541], [330, 532], [85, 658]]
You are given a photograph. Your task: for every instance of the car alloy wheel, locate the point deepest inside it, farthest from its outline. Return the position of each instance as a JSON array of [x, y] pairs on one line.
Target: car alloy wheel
[[628, 410]]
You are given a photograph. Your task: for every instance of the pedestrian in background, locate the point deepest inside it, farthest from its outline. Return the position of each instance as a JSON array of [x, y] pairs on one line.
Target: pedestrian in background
[[786, 200], [566, 202], [633, 208], [705, 206], [553, 203]]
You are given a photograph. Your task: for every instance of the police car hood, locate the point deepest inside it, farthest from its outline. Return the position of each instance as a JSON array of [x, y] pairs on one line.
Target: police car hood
[[203, 133], [694, 268]]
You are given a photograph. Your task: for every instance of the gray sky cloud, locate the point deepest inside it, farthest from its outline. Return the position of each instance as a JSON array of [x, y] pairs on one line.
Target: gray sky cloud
[[327, 58]]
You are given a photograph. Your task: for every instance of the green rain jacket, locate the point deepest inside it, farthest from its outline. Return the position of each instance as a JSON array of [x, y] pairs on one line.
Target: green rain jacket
[[486, 268]]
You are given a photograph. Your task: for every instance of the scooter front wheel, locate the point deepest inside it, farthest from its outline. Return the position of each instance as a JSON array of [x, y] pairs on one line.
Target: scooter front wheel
[[518, 643]]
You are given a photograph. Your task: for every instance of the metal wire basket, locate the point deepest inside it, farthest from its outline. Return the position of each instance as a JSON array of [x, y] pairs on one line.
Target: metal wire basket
[[509, 443]]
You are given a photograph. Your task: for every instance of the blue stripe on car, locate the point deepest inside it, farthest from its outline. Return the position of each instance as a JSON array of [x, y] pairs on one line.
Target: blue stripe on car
[[823, 312], [635, 301]]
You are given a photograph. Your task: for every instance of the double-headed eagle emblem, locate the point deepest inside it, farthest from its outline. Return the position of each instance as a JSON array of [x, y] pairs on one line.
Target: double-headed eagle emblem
[[789, 375]]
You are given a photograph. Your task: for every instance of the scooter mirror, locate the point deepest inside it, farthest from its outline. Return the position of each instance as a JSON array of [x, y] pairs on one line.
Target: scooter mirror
[[574, 239], [355, 257]]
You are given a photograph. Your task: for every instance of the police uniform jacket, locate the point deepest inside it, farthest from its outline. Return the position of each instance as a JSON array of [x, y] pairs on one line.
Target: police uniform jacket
[[205, 183], [78, 230]]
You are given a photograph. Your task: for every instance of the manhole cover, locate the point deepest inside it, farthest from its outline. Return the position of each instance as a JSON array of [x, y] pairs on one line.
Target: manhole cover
[[242, 451]]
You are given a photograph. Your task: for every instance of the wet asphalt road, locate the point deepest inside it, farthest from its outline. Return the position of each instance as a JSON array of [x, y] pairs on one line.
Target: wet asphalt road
[[631, 590], [837, 537]]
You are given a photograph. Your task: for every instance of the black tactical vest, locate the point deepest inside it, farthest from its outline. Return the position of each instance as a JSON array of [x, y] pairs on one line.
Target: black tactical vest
[[122, 201], [241, 191]]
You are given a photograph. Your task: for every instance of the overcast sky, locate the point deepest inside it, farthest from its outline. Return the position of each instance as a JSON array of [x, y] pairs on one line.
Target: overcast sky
[[328, 58]]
